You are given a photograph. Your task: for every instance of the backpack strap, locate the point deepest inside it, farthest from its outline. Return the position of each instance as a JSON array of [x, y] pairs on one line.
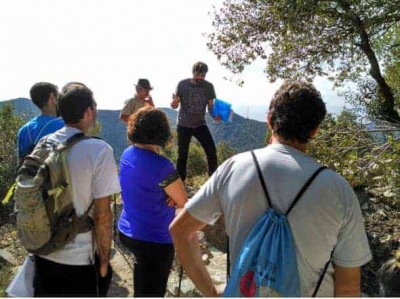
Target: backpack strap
[[261, 178], [298, 196], [71, 141], [321, 278], [306, 185], [29, 135], [86, 214], [61, 147], [9, 194], [228, 260]]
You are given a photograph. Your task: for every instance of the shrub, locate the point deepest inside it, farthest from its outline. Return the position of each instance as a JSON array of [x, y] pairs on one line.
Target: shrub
[[9, 125], [348, 147], [197, 161]]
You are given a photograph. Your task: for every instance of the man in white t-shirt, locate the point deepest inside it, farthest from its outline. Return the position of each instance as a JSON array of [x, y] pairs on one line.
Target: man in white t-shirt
[[70, 271], [326, 218]]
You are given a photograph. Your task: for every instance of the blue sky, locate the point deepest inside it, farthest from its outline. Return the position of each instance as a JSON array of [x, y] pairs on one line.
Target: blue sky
[[108, 45]]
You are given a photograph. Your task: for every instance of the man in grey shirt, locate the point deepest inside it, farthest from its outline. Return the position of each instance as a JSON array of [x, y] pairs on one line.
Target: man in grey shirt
[[326, 219], [194, 95]]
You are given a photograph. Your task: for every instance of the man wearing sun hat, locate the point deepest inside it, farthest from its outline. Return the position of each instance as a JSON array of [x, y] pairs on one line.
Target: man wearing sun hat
[[141, 98]]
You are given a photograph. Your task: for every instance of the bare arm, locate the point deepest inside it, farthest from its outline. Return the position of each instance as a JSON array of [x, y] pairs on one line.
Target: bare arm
[[184, 234], [102, 230], [347, 281], [177, 193], [127, 110], [124, 118], [175, 102], [210, 107]]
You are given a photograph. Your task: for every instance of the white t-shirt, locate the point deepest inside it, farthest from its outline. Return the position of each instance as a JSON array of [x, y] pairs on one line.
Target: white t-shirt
[[327, 216], [94, 175]]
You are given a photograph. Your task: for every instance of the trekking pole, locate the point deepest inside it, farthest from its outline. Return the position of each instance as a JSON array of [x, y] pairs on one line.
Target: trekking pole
[[228, 260], [180, 280], [115, 217], [115, 233]]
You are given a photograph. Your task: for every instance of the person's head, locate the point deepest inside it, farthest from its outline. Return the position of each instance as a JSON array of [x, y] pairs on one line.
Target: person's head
[[143, 88], [76, 104], [199, 71], [44, 96], [296, 111], [149, 125], [389, 277]]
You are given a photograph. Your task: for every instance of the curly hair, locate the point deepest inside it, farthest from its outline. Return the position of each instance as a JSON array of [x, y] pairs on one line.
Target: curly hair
[[389, 277], [296, 110], [149, 126]]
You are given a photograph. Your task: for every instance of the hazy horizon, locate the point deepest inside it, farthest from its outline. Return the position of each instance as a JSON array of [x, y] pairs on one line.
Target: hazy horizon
[[252, 111]]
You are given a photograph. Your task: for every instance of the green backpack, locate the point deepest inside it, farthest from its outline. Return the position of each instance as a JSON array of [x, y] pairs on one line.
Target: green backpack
[[46, 217]]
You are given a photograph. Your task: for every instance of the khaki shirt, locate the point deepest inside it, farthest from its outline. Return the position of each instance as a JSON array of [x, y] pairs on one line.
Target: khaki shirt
[[131, 106]]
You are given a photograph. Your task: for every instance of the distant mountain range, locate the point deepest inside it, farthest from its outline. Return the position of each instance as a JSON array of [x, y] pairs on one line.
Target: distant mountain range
[[241, 134]]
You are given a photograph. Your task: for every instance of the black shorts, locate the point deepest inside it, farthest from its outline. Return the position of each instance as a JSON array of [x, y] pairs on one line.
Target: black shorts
[[59, 280]]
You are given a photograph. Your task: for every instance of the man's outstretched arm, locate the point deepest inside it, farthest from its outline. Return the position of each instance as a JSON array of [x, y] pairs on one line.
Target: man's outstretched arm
[[210, 106], [184, 234], [103, 231]]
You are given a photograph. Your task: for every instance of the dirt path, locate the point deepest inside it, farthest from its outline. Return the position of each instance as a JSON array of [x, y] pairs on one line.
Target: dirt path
[[122, 281], [381, 221]]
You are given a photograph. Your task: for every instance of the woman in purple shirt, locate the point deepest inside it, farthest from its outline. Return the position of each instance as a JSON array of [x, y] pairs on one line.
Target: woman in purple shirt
[[151, 189]]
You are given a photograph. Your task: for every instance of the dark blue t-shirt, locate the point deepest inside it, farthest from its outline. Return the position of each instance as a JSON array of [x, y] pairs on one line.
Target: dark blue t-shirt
[[145, 215], [194, 99]]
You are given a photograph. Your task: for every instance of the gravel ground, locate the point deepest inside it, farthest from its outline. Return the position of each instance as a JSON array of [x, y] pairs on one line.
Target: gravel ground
[[381, 221]]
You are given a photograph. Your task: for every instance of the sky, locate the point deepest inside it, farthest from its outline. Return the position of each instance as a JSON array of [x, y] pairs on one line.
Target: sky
[[109, 45]]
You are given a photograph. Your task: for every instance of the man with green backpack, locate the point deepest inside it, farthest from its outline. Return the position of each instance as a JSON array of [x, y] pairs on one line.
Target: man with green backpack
[[62, 197], [295, 228]]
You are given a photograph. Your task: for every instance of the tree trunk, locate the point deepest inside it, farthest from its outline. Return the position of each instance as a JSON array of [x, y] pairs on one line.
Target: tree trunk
[[385, 96]]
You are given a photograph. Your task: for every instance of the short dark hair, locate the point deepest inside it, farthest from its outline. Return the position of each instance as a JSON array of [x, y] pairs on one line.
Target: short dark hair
[[200, 67], [389, 277], [296, 110], [149, 125], [40, 93], [74, 99]]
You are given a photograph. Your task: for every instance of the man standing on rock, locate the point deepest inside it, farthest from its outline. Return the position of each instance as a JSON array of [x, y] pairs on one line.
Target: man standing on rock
[[194, 95], [327, 219], [44, 96], [141, 98], [71, 271]]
